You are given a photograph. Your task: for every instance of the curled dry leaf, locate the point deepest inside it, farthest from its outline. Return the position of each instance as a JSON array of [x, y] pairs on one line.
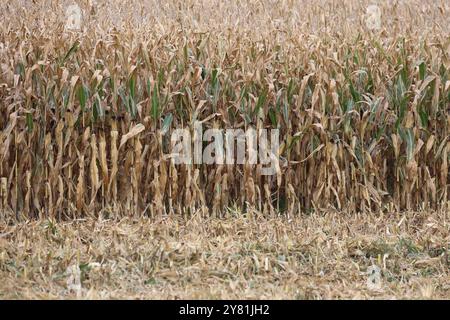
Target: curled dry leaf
[[131, 134]]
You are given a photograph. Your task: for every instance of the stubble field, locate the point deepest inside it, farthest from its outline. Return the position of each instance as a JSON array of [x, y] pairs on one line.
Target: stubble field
[[310, 257]]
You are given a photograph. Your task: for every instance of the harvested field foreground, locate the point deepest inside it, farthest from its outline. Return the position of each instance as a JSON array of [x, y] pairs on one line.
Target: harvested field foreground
[[307, 257]]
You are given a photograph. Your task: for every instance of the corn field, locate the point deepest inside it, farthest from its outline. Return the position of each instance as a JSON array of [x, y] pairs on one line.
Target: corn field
[[86, 115]]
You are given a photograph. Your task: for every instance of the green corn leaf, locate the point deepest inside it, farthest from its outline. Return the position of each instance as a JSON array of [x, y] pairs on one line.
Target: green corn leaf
[[97, 110], [155, 103], [260, 102], [422, 70], [166, 123], [29, 121], [82, 96], [273, 117], [71, 51]]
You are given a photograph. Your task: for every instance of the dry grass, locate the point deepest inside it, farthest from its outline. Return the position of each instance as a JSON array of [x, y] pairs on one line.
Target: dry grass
[[307, 257]]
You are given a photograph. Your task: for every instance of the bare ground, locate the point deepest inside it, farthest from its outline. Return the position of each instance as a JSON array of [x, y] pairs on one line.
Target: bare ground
[[307, 257]]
